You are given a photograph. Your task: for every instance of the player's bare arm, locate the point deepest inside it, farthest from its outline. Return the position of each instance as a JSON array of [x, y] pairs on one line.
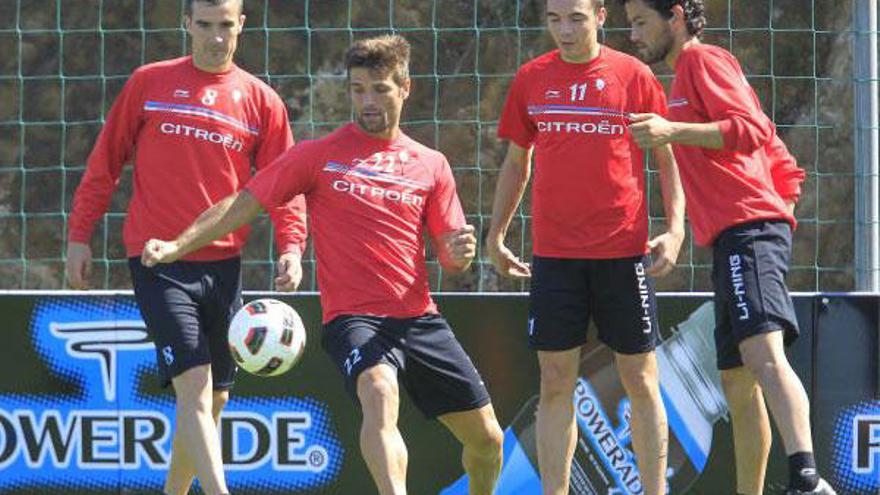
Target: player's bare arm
[[665, 247], [651, 130], [512, 182], [457, 249], [227, 215]]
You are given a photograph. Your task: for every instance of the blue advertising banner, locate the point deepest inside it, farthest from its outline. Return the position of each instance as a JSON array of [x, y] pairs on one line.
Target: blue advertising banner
[[104, 431], [81, 411]]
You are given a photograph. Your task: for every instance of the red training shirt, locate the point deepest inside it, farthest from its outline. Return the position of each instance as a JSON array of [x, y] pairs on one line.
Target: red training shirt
[[369, 201], [194, 136], [588, 195], [753, 176]]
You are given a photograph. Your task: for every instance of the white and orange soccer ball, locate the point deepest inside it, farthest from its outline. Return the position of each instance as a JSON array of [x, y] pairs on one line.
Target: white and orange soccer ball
[[266, 337]]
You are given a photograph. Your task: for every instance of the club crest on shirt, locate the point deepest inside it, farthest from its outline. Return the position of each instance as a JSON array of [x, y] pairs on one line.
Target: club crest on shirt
[[600, 84]]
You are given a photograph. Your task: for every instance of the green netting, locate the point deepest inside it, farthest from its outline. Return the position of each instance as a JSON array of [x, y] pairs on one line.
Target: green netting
[[63, 62]]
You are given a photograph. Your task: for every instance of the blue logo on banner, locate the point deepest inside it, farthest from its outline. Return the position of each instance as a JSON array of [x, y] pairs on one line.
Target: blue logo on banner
[[857, 448], [104, 432]]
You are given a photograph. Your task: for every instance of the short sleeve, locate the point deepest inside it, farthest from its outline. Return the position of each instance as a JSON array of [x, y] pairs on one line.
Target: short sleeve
[[515, 124], [649, 93]]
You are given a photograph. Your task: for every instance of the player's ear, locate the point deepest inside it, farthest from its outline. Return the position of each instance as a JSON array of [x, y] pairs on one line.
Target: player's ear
[[406, 87], [601, 16], [677, 15]]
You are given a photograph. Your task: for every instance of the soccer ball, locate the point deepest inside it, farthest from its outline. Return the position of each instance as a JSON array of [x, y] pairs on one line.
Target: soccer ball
[[266, 337]]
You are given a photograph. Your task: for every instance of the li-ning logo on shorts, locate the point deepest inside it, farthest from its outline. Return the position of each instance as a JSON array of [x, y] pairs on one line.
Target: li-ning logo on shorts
[[738, 286], [644, 298]]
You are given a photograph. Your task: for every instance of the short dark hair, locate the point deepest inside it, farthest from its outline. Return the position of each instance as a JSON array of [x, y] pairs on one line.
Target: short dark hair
[[597, 4], [694, 12], [188, 6], [385, 54]]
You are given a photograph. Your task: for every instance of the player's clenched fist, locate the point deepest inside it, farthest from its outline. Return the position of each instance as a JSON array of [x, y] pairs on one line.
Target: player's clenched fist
[[650, 130], [156, 251], [460, 247]]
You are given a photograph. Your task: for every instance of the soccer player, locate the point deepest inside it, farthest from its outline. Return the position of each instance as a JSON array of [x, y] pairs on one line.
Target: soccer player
[[590, 229], [372, 192], [742, 185], [194, 127]]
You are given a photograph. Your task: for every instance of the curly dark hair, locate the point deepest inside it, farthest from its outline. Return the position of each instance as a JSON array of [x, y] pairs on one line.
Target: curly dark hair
[[694, 12], [385, 54]]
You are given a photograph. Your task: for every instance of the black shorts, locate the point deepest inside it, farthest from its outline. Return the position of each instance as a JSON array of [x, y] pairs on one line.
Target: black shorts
[[436, 371], [750, 262], [566, 293], [187, 306]]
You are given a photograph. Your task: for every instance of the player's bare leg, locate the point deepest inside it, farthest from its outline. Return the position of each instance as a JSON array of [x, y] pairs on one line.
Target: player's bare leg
[[650, 431], [556, 431], [182, 470], [197, 429], [381, 443], [482, 441], [764, 356], [751, 429]]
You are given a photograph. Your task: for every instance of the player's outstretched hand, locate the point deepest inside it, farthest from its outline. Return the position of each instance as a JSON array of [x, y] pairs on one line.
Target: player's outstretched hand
[[78, 265], [650, 130], [289, 272], [505, 262], [156, 251], [664, 250]]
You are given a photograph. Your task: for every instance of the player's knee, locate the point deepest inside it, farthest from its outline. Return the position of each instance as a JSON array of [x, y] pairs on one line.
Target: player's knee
[[765, 367], [193, 404], [192, 389], [639, 383], [487, 444], [738, 382], [557, 382], [493, 441], [376, 390]]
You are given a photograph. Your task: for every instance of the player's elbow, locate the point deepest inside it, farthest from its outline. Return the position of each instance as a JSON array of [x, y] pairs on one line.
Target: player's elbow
[[746, 135]]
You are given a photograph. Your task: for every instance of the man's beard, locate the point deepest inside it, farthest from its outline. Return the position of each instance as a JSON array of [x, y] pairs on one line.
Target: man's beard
[[659, 52], [374, 126]]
